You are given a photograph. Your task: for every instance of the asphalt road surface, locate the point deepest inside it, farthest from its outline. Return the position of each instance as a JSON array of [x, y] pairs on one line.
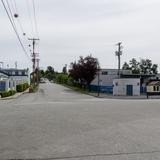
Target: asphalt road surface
[[57, 123]]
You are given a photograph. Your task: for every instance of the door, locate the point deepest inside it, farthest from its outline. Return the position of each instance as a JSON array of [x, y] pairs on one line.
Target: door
[[2, 86], [130, 90]]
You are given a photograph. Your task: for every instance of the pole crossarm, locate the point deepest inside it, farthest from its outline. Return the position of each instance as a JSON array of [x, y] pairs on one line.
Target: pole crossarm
[[34, 56]]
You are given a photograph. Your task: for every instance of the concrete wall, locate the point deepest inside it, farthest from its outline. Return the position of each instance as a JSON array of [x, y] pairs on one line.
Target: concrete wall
[[120, 86]]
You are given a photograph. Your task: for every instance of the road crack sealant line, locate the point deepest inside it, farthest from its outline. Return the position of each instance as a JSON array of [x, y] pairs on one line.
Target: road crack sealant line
[[90, 155]]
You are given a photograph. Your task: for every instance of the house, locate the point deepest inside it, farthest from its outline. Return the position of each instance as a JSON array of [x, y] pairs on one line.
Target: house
[[126, 87], [153, 88], [9, 78], [4, 81]]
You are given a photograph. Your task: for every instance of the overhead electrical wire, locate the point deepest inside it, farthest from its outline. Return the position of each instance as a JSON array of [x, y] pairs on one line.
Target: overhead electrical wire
[[15, 9], [11, 15], [14, 26], [35, 19], [30, 17]]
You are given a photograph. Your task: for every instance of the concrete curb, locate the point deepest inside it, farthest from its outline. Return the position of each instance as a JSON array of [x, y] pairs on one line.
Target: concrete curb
[[16, 95], [105, 96]]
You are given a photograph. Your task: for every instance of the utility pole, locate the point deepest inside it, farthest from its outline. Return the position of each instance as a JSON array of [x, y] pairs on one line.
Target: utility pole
[[16, 65], [118, 54], [33, 57], [37, 70], [1, 65], [98, 80]]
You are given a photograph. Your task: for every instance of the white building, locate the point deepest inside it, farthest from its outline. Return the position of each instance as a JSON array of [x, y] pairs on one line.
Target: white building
[[9, 78], [105, 78], [126, 86]]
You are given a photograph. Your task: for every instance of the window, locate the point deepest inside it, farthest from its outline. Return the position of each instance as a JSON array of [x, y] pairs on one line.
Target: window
[[19, 73], [13, 72], [155, 88], [104, 73]]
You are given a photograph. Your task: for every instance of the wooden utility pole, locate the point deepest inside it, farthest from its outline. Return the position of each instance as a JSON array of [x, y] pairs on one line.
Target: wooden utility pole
[[118, 54], [1, 65], [34, 55], [37, 70]]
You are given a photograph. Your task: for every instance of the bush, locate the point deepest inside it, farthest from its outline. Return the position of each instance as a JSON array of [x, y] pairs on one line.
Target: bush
[[8, 93], [22, 87]]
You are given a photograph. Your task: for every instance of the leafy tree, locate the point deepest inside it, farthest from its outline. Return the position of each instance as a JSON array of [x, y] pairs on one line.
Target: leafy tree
[[85, 70], [42, 73], [50, 69], [125, 66], [134, 66], [64, 70], [154, 69], [145, 66], [74, 71], [49, 73]]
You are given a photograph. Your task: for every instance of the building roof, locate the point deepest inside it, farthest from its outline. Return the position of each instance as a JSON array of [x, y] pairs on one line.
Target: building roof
[[154, 83], [14, 72], [3, 72]]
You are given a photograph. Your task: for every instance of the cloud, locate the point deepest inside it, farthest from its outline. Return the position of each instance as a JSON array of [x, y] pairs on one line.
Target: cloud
[[72, 28]]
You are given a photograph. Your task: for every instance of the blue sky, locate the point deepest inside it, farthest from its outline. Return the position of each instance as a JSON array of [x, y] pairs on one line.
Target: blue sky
[[72, 28]]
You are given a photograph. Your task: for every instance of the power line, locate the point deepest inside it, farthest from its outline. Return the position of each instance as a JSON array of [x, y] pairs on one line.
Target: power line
[[15, 9], [29, 15], [35, 20], [11, 15], [14, 28]]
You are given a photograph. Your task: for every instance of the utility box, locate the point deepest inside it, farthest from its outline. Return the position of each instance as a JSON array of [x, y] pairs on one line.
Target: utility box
[[126, 87]]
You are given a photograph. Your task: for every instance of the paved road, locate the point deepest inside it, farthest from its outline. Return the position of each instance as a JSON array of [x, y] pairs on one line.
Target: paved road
[[57, 123]]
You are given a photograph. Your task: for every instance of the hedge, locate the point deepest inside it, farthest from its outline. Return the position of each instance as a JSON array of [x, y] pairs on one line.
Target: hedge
[[22, 87], [7, 93]]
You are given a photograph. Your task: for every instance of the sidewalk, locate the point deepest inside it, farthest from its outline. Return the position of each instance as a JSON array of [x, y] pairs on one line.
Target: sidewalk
[[18, 94], [110, 96]]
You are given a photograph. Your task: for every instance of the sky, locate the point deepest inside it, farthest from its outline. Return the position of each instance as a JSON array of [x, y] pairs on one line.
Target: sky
[[71, 28]]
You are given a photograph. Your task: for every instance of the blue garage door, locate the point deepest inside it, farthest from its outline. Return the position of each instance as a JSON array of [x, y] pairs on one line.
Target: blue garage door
[[2, 86], [129, 90]]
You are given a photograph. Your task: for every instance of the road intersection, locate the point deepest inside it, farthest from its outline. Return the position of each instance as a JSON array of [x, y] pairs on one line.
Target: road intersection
[[58, 123]]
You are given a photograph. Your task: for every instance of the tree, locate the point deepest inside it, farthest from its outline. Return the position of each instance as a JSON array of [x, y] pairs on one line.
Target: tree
[[85, 70], [134, 66], [154, 69], [49, 73], [64, 70], [145, 66], [42, 73], [75, 71], [50, 69], [125, 66]]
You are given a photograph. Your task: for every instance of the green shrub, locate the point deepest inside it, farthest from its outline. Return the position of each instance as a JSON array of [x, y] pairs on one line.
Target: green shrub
[[19, 88], [22, 87], [8, 93]]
